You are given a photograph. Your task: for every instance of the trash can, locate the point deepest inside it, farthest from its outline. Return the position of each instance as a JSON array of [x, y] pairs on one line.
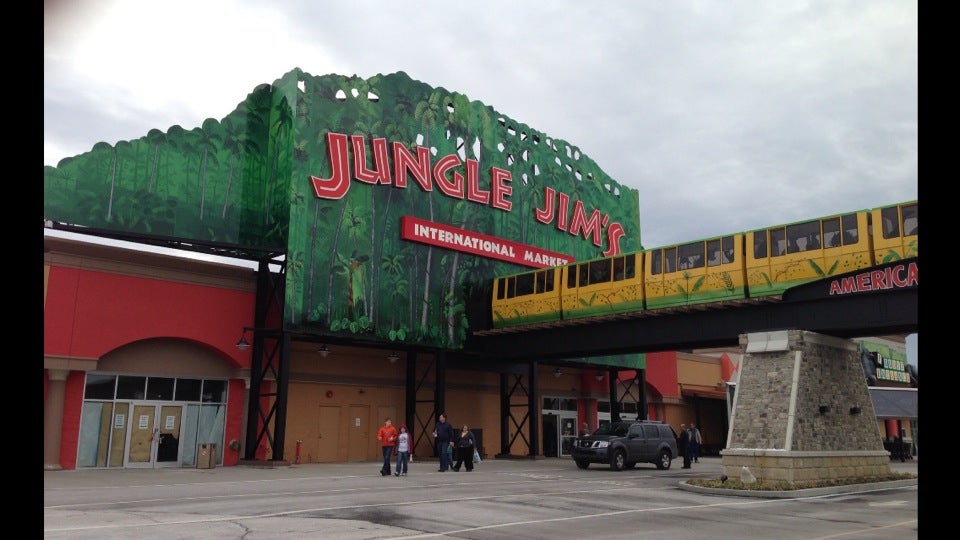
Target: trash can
[[206, 455]]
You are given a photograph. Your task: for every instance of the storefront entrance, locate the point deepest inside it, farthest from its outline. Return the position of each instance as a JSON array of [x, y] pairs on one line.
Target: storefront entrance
[[559, 426], [153, 436]]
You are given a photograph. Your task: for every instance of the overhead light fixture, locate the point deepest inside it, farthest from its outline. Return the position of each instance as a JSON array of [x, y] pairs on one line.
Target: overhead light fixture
[[393, 357], [557, 372], [269, 333], [323, 350], [599, 376], [243, 344]]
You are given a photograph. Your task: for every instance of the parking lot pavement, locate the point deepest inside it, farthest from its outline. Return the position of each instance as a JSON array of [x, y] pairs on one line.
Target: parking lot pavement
[[537, 499]]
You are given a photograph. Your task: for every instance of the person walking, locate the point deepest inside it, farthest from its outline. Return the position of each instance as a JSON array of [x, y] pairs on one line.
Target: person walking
[[387, 435], [466, 444], [403, 451], [696, 441], [443, 435], [584, 431], [683, 445]]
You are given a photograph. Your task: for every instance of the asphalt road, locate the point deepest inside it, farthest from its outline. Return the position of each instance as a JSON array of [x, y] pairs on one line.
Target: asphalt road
[[501, 499]]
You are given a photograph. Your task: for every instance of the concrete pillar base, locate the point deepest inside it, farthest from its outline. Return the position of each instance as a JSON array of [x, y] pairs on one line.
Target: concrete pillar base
[[795, 467]]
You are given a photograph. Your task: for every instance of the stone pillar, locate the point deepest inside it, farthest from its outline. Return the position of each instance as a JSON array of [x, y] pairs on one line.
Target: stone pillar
[[53, 418], [802, 411]]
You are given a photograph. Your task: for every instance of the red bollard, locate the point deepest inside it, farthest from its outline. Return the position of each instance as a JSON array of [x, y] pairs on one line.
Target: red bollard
[[299, 444]]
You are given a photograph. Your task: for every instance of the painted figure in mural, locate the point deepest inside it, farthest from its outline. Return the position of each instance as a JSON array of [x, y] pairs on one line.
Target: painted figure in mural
[[443, 435], [466, 444], [387, 435]]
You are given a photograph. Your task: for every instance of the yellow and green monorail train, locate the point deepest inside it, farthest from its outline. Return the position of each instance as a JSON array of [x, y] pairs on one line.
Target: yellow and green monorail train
[[759, 263]]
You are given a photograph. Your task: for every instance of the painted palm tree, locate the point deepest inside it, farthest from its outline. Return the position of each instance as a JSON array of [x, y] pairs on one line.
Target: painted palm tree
[[281, 127], [393, 266], [428, 113], [234, 142], [156, 138], [208, 139], [370, 131], [113, 176]]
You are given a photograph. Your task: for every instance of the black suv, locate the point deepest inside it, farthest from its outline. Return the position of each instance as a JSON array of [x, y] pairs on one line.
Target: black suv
[[624, 444]]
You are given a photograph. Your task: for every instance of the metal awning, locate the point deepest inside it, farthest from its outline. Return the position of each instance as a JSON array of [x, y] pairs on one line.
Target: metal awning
[[894, 402], [711, 392]]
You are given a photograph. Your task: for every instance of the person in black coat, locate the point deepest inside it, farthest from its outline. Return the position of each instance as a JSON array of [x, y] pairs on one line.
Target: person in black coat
[[683, 445], [466, 443], [443, 433]]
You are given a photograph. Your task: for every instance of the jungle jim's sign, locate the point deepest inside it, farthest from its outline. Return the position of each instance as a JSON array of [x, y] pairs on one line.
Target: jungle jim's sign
[[446, 175]]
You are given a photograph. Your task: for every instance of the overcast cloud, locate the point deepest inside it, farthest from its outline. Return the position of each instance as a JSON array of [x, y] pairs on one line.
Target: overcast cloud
[[726, 116]]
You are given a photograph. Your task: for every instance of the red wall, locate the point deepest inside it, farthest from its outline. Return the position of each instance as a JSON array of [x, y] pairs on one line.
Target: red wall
[[72, 406], [662, 373], [88, 314]]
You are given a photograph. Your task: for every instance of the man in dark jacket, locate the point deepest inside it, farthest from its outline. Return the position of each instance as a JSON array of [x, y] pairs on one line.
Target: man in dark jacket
[[443, 434], [683, 445]]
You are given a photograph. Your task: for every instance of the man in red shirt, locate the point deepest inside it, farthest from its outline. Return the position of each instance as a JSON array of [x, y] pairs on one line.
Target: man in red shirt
[[387, 435]]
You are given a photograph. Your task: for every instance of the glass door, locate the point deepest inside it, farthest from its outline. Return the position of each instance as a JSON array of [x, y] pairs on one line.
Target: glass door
[[153, 437], [568, 432]]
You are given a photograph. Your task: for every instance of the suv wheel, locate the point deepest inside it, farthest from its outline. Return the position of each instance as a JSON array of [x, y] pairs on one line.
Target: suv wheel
[[663, 460], [618, 460], [583, 464]]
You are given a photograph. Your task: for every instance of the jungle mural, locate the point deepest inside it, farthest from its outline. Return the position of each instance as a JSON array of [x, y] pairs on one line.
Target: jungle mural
[[394, 202]]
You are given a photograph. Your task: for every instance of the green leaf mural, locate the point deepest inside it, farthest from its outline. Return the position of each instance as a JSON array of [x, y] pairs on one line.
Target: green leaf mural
[[244, 180]]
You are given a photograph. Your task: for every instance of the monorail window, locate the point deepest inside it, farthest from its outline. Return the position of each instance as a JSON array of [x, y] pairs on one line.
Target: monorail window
[[760, 244], [726, 244], [670, 259], [778, 242], [851, 233], [505, 287], [525, 284], [656, 262], [891, 221], [545, 280], [831, 232], [713, 252], [803, 236], [583, 271], [910, 216], [690, 256], [624, 267], [600, 271]]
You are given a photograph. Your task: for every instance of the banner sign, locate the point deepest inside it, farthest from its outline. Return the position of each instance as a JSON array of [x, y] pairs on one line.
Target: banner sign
[[474, 243]]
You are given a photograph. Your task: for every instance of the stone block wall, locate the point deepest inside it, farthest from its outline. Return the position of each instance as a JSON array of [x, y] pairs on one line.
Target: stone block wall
[[802, 410]]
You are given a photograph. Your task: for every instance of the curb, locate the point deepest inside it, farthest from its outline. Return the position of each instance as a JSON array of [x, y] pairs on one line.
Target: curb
[[799, 493]]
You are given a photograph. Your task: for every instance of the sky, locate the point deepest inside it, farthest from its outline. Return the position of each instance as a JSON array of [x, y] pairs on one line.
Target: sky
[[725, 116]]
